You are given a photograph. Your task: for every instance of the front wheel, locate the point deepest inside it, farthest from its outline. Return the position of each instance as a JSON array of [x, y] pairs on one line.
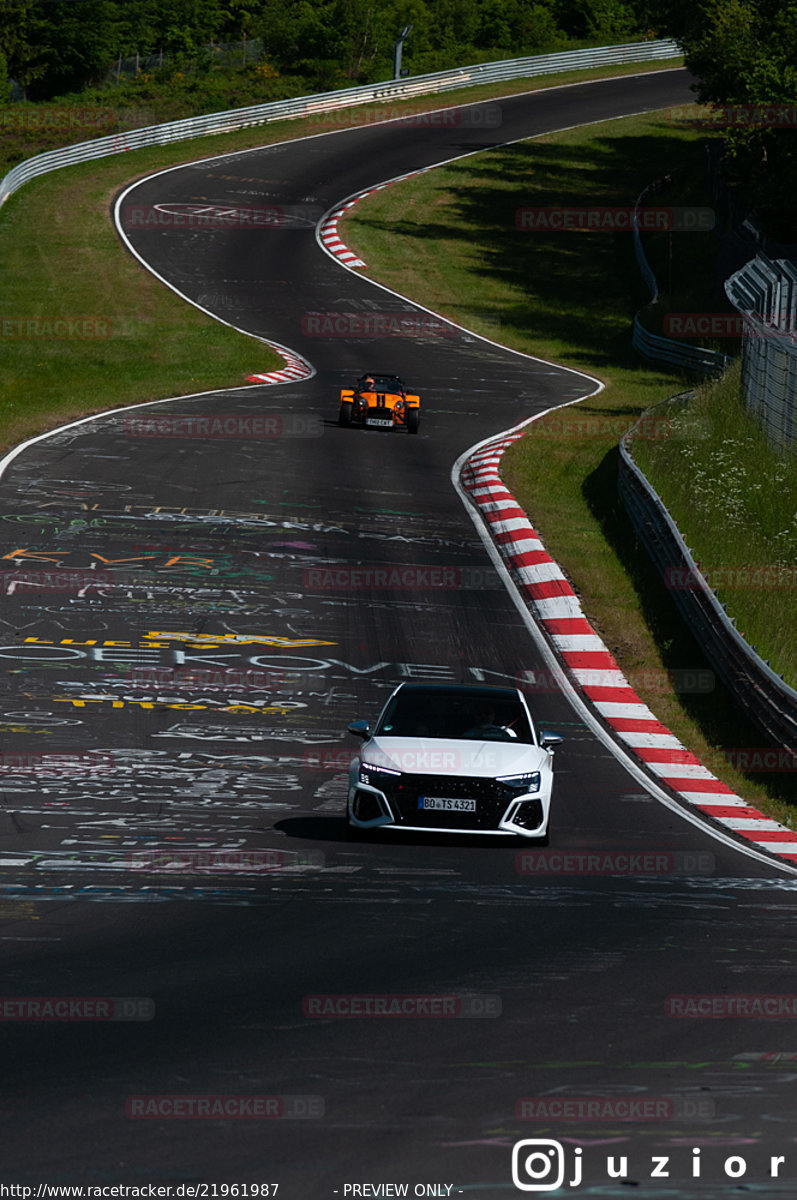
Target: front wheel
[[344, 416], [413, 420]]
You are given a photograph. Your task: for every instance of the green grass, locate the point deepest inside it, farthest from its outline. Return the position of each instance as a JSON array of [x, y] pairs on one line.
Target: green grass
[[448, 238], [60, 258], [735, 497], [569, 295]]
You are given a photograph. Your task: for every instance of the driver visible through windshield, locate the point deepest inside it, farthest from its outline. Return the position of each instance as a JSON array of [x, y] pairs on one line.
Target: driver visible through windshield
[[496, 717]]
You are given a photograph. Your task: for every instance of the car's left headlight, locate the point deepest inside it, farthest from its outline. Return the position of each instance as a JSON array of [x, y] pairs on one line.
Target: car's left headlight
[[527, 782]]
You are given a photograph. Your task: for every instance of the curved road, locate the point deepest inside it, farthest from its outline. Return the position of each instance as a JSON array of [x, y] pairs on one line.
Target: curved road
[[195, 675]]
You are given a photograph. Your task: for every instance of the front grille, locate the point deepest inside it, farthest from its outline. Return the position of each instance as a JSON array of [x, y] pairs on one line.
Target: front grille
[[491, 799]]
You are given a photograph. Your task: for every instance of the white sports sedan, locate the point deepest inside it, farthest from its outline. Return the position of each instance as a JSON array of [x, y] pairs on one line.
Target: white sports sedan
[[444, 758]]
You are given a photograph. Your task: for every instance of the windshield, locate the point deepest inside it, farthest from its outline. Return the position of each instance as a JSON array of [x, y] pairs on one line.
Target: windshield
[[382, 383], [483, 717]]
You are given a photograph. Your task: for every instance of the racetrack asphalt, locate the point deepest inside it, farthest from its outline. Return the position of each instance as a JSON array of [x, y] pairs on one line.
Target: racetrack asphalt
[[199, 692]]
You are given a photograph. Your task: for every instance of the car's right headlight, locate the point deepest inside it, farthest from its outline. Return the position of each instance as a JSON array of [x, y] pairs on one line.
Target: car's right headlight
[[377, 776], [527, 782]]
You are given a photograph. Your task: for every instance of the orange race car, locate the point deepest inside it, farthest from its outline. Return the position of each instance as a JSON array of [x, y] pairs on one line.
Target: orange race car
[[380, 402]]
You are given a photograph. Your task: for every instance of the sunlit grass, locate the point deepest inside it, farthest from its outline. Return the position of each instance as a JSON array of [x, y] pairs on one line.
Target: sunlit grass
[[735, 497]]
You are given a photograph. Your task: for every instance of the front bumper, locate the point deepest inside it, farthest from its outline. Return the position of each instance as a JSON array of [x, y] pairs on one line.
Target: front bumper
[[379, 418], [524, 815]]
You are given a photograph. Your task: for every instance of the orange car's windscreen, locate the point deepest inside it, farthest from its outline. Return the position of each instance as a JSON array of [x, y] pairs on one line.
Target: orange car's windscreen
[[381, 383]]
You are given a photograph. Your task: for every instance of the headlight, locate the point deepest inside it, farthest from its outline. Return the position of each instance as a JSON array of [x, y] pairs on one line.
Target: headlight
[[529, 782], [371, 774]]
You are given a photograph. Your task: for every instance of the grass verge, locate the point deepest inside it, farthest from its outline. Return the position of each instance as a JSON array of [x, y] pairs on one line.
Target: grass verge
[[450, 238], [736, 500]]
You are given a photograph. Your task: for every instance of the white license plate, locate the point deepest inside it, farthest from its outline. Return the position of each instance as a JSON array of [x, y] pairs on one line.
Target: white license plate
[[446, 804], [379, 421]]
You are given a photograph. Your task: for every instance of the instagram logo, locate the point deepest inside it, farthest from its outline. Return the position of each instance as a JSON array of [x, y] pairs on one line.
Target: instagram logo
[[538, 1165]]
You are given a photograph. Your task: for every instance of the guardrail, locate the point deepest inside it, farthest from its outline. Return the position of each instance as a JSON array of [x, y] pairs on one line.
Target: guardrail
[[764, 291], [690, 358], [652, 345], [762, 694], [304, 106]]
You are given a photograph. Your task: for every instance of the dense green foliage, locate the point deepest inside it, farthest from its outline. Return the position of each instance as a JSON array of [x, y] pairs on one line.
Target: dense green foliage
[[744, 53], [57, 46]]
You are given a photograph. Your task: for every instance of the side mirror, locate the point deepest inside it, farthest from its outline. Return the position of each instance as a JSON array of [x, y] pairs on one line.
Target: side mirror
[[360, 729], [548, 739]]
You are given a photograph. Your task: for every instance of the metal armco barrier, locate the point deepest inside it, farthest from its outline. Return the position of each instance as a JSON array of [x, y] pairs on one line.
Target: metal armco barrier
[[690, 358], [765, 292], [764, 697], [652, 345], [305, 106]]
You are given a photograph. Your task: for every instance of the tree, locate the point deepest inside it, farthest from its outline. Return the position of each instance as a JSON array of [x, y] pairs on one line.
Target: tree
[[607, 20], [744, 55], [5, 84], [25, 60]]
